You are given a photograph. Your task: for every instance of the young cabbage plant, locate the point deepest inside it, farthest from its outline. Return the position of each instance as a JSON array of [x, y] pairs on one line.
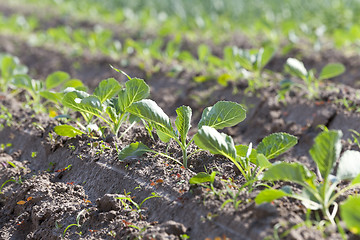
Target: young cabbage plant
[[109, 102], [222, 114], [316, 195], [10, 67], [37, 89], [250, 62], [250, 162], [310, 83]]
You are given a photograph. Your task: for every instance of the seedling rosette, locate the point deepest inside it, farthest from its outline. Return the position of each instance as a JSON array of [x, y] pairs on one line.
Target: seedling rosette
[[310, 83], [222, 114], [109, 102], [316, 195]]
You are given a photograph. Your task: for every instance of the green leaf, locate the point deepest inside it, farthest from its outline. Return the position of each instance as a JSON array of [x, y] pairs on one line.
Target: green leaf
[[269, 195], [350, 213], [182, 121], [135, 90], [276, 144], [349, 165], [296, 68], [67, 131], [326, 151], [89, 105], [331, 70], [267, 55], [23, 81], [222, 114], [262, 161], [54, 97], [136, 149], [55, 79], [210, 139], [8, 65], [241, 151], [244, 59], [293, 172], [107, 89], [356, 180], [202, 177], [149, 111], [75, 83], [203, 52]]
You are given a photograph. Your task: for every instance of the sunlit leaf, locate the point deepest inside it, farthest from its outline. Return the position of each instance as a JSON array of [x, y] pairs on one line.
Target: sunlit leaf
[[350, 213], [182, 121], [210, 139], [107, 89], [332, 70], [136, 149], [349, 165], [222, 114], [55, 79], [276, 144], [326, 151], [67, 131]]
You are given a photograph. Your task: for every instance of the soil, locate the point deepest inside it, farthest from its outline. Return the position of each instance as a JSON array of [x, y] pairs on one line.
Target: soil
[[78, 189]]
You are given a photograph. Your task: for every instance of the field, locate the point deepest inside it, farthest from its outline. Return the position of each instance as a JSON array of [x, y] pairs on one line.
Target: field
[[179, 119]]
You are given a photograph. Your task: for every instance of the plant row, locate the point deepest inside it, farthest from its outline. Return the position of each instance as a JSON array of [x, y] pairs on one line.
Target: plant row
[[322, 24], [152, 55], [112, 104]]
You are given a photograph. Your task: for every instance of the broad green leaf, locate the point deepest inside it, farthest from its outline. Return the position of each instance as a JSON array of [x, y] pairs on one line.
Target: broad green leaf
[[356, 180], [135, 90], [276, 144], [222, 114], [23, 81], [331, 70], [133, 150], [149, 111], [296, 68], [75, 83], [107, 89], [350, 213], [326, 151], [267, 55], [55, 79], [54, 97], [262, 161], [245, 58], [92, 102], [203, 52], [245, 62], [241, 151], [349, 165], [210, 139], [269, 195], [202, 177], [182, 121], [67, 131], [293, 172], [163, 136], [89, 106], [8, 65]]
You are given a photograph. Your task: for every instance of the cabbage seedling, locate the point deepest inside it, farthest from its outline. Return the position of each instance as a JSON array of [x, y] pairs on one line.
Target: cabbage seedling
[[316, 195], [37, 89], [104, 104], [250, 162], [310, 83], [10, 67], [222, 114]]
